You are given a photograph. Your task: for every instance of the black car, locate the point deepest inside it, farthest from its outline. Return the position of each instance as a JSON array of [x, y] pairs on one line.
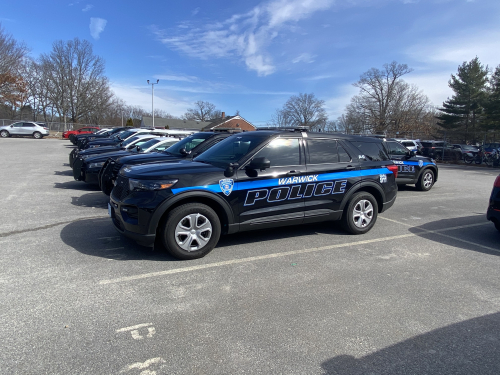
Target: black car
[[80, 137], [493, 213], [188, 148], [88, 164], [439, 150], [254, 180], [412, 169]]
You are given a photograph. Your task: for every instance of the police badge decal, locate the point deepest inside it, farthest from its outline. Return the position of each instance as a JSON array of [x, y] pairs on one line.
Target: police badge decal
[[420, 163], [226, 185]]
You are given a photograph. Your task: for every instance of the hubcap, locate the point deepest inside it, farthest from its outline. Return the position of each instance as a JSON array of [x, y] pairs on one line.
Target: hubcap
[[193, 232], [427, 180], [363, 213]]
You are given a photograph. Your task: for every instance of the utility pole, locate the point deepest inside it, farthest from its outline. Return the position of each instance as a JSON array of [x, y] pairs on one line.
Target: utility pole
[[153, 98]]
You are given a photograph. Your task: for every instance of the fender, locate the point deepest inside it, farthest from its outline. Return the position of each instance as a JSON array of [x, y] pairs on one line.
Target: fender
[[162, 208], [357, 187]]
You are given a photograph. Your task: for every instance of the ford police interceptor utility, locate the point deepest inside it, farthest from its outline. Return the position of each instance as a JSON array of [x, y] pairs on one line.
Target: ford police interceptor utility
[[254, 180]]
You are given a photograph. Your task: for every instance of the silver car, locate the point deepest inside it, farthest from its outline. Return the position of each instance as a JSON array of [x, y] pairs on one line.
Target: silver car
[[24, 128]]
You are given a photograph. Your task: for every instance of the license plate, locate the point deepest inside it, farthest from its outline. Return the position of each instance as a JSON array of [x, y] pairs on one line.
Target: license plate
[[109, 210]]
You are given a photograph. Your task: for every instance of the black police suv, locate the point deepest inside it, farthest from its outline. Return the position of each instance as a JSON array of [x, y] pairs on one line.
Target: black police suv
[[254, 180], [88, 165], [187, 148], [493, 212], [108, 133], [412, 169]]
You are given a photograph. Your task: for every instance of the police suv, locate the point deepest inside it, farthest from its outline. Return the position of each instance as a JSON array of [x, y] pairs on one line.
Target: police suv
[[254, 180], [412, 169]]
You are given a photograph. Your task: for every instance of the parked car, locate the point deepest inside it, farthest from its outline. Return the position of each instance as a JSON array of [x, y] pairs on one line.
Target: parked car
[[26, 129], [412, 169], [254, 180], [439, 150], [493, 212], [86, 130], [469, 153], [100, 134], [115, 139], [411, 145]]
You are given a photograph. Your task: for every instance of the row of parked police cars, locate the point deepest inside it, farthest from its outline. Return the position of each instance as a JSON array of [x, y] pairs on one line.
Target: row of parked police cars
[[183, 189]]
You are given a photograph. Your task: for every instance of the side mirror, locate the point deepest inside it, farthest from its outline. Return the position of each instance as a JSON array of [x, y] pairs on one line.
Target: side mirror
[[12, 126], [410, 153], [229, 172], [138, 148], [260, 163], [184, 152]]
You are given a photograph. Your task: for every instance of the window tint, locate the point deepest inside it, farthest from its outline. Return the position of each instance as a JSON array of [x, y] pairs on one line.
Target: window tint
[[188, 143], [28, 125], [371, 150], [322, 151], [281, 152], [396, 149], [408, 144], [343, 155], [17, 124]]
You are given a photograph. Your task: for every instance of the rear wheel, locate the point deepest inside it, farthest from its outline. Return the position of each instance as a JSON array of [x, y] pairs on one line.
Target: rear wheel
[[37, 135], [425, 181], [360, 213], [4, 134], [468, 159], [191, 231]]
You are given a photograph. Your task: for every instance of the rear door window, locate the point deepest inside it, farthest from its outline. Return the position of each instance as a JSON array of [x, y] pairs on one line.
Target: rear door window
[[370, 150]]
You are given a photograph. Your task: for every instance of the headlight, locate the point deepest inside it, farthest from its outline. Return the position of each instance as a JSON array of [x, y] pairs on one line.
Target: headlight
[[96, 165], [150, 184], [86, 156]]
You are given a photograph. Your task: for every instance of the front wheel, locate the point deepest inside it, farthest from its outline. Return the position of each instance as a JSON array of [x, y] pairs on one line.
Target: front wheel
[[425, 181], [468, 159], [37, 135], [360, 213], [4, 134], [191, 231]]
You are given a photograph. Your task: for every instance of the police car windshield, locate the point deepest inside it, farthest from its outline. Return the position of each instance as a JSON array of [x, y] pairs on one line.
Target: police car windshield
[[130, 140], [151, 142], [231, 149], [187, 143]]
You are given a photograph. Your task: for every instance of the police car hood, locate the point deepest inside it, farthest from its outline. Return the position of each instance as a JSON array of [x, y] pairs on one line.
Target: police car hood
[[147, 158], [168, 170], [105, 141], [105, 155], [98, 150]]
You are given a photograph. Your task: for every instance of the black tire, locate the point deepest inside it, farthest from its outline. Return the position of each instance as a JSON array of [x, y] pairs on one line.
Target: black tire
[[179, 220], [497, 225], [425, 181], [37, 135], [468, 159], [4, 134], [360, 213]]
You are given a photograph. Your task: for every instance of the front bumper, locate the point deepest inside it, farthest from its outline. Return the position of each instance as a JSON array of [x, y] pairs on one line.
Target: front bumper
[[132, 231], [91, 176]]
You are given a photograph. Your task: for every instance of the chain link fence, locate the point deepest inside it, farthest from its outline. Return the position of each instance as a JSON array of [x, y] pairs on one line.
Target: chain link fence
[[55, 127]]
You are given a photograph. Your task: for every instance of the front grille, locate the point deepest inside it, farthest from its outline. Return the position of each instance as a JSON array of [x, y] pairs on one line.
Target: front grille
[[72, 155], [116, 168], [121, 189]]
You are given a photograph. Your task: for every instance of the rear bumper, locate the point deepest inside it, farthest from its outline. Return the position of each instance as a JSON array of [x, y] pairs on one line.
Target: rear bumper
[[388, 204]]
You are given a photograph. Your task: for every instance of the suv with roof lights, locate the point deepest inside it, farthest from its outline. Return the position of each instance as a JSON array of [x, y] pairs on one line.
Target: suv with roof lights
[[255, 180]]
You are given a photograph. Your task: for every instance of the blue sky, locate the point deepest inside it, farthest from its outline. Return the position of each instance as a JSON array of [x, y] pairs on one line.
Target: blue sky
[[252, 55]]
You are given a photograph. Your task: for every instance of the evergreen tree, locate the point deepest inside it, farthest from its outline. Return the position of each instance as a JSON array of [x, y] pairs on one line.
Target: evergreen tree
[[464, 109], [130, 122], [492, 103]]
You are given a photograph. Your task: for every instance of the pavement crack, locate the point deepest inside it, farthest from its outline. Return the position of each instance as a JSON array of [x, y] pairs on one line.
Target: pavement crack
[[6, 234]]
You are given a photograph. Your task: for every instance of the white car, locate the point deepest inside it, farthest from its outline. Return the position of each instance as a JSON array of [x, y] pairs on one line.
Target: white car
[[157, 144], [410, 144], [25, 128]]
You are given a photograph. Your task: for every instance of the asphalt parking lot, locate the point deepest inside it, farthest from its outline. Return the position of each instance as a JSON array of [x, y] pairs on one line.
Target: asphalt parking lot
[[419, 294]]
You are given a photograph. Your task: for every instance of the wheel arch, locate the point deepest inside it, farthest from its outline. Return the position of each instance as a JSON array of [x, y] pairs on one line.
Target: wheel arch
[[219, 205], [434, 170], [369, 187]]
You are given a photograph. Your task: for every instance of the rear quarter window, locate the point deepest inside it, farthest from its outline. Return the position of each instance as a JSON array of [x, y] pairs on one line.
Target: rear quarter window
[[373, 151]]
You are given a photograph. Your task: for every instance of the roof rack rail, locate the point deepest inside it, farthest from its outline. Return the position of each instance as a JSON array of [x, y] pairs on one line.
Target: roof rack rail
[[286, 129]]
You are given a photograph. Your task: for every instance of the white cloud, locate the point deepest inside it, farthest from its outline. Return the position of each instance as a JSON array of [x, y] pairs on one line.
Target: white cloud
[[195, 11], [179, 78], [335, 105], [97, 26], [87, 8], [305, 57], [242, 36]]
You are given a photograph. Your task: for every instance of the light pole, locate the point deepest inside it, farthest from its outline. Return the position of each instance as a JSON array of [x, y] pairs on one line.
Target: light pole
[[153, 98]]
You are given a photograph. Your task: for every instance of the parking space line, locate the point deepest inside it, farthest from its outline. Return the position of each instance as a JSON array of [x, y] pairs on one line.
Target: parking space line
[[126, 329], [429, 196], [277, 255]]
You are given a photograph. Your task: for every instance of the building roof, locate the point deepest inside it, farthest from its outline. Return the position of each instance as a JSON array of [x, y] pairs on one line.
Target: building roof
[[230, 122]]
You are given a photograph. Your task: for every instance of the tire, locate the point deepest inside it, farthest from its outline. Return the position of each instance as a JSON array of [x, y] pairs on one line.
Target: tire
[[468, 159], [478, 159], [177, 232], [37, 135], [425, 181], [4, 134], [360, 213]]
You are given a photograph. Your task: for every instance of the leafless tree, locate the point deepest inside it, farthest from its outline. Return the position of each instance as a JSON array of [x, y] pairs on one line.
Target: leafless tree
[[12, 53], [280, 119], [203, 111], [305, 110]]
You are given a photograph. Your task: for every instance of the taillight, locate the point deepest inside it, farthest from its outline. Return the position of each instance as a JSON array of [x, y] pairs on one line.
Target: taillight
[[497, 182], [394, 169]]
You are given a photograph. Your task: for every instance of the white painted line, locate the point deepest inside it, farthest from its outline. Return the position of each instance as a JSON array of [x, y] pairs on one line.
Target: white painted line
[[143, 365], [126, 329], [284, 254], [427, 196]]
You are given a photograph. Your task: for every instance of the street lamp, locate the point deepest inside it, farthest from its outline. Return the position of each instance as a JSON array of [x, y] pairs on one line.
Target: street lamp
[[152, 99]]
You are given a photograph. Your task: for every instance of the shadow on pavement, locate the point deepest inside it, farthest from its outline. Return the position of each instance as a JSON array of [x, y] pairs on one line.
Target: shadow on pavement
[[98, 237], [68, 172], [76, 185], [465, 348], [468, 238], [93, 200]]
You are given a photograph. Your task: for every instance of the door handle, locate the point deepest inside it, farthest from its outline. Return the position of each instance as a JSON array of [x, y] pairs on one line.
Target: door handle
[[293, 173], [350, 167]]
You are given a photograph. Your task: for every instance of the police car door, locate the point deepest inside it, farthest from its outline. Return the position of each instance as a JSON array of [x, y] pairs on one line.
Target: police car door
[[407, 168], [333, 173], [271, 198]]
